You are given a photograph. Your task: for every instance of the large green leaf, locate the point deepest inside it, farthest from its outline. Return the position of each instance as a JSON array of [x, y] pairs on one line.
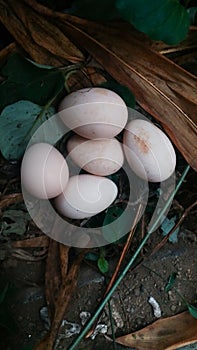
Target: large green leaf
[[165, 20], [18, 123], [26, 81]]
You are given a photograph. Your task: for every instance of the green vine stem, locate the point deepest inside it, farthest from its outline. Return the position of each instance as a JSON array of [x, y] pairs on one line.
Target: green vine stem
[[133, 258]]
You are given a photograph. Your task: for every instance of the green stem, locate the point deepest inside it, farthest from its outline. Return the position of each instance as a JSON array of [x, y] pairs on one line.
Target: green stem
[[135, 255], [67, 76]]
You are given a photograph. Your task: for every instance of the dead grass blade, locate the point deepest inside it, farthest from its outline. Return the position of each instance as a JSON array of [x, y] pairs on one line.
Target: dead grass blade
[[166, 334]]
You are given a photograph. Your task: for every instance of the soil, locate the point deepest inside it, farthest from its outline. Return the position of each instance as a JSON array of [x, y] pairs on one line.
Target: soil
[[130, 308]]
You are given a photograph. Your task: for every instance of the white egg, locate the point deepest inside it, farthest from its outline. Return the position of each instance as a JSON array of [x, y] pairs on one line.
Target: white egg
[[99, 157], [86, 195], [149, 151], [44, 171], [94, 113]]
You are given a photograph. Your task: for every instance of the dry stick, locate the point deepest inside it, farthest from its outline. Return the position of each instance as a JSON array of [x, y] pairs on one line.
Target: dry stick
[[64, 254], [164, 240], [52, 276], [121, 259], [63, 300]]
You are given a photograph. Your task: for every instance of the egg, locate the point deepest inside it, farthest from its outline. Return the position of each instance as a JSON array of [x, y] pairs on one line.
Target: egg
[[44, 171], [94, 113], [99, 157], [149, 151], [85, 195]]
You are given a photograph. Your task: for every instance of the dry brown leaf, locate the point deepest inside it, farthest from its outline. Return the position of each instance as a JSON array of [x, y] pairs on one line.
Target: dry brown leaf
[[42, 40], [36, 242], [9, 199], [162, 88], [166, 334]]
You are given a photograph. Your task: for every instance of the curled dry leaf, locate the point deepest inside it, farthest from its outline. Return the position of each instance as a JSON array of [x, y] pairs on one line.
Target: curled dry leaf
[[44, 42], [166, 334]]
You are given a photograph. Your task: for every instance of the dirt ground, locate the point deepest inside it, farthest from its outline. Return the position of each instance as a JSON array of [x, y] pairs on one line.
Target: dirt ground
[[130, 308]]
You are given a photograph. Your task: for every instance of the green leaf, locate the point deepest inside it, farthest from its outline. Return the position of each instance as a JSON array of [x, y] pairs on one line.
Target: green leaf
[[103, 265], [167, 226], [18, 122], [91, 256], [171, 281], [117, 228], [94, 9], [14, 221], [26, 81], [122, 91], [165, 20], [192, 310]]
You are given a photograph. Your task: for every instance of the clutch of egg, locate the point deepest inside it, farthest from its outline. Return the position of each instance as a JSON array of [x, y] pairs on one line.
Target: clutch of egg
[[96, 115]]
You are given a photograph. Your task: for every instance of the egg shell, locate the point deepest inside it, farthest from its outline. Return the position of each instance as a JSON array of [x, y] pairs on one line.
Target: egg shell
[[94, 113], [85, 195], [149, 151], [44, 171], [99, 157]]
